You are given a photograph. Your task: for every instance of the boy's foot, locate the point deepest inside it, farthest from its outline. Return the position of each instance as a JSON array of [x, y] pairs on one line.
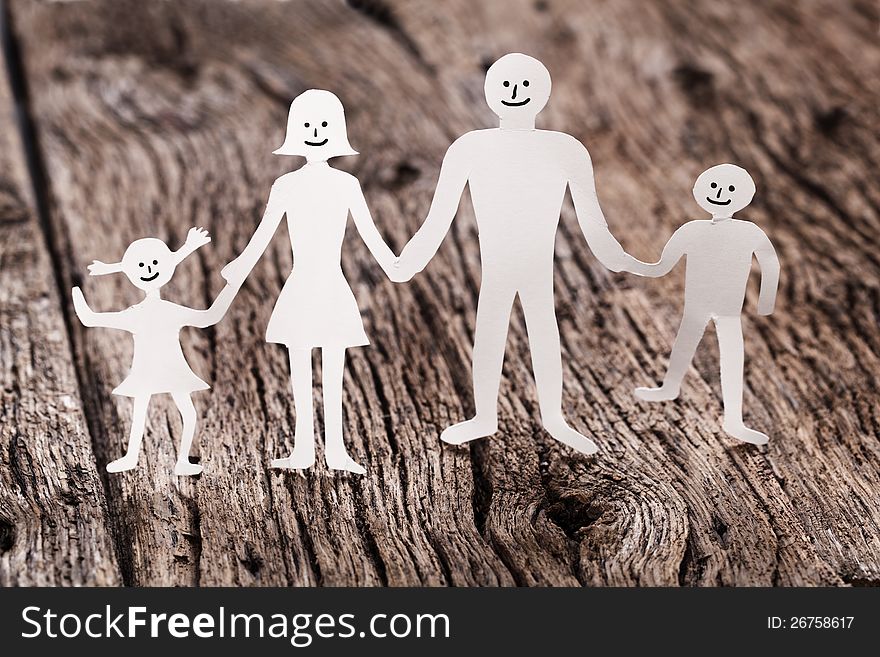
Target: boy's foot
[[469, 430], [741, 432], [346, 463], [568, 436], [123, 464], [656, 394], [185, 468]]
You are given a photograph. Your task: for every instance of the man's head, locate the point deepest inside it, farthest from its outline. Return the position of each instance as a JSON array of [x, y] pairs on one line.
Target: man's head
[[724, 189], [517, 87]]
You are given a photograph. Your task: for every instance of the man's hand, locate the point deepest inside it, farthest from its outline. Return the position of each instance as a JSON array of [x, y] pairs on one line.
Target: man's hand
[[765, 306], [232, 273], [196, 238]]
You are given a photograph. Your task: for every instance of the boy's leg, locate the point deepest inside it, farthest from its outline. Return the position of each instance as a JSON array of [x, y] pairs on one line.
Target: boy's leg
[[136, 436], [303, 454], [188, 415], [730, 344], [693, 325]]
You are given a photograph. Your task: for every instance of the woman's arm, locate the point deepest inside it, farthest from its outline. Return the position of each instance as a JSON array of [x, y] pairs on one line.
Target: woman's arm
[[88, 317], [237, 270], [363, 221]]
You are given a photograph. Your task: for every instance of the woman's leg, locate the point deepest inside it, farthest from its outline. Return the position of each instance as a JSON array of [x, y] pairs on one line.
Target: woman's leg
[[333, 365], [188, 415], [303, 454], [136, 436]]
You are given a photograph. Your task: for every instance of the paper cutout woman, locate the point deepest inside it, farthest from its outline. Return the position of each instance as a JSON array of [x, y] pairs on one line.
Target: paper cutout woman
[[316, 307], [719, 258], [158, 365]]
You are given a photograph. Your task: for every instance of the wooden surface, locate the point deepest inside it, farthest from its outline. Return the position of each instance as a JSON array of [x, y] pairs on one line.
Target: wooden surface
[[150, 117]]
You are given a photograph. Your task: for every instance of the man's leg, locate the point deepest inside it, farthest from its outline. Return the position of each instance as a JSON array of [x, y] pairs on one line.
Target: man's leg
[[333, 369], [188, 415], [490, 338], [540, 313], [136, 436], [693, 325], [303, 454], [730, 344]]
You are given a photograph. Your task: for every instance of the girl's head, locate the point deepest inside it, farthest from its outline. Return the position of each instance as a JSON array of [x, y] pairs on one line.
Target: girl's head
[[149, 263], [316, 127]]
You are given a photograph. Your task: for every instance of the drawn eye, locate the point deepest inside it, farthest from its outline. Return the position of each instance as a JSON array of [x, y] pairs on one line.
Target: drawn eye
[[732, 188], [713, 185], [140, 264], [506, 83], [306, 125], [323, 124], [155, 262], [525, 83]]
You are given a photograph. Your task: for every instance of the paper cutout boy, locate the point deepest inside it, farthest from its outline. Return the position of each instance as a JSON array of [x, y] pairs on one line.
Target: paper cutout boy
[[316, 307], [517, 177], [158, 365], [719, 257]]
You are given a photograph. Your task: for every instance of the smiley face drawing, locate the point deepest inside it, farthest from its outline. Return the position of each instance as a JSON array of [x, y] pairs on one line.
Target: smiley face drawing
[[723, 190], [517, 87], [316, 127], [149, 263]]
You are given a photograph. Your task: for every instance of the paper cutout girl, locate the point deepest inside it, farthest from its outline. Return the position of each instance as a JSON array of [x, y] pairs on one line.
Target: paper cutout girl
[[316, 307], [719, 258], [158, 365]]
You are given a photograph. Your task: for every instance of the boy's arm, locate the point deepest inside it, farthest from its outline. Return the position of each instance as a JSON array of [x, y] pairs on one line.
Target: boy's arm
[[450, 185], [769, 264], [209, 317], [366, 227], [673, 251], [88, 317]]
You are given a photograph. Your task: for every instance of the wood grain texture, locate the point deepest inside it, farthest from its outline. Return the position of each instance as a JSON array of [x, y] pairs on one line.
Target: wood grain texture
[[53, 516], [152, 117]]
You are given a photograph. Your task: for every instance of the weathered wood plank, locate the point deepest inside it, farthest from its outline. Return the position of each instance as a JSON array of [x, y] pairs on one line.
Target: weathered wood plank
[[53, 512], [153, 117]]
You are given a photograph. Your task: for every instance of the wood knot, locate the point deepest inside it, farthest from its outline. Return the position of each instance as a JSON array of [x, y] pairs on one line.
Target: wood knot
[[696, 83], [7, 535]]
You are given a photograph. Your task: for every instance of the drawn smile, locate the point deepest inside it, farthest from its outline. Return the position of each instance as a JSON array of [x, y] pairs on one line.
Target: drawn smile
[[518, 104], [316, 143], [149, 278], [727, 202]]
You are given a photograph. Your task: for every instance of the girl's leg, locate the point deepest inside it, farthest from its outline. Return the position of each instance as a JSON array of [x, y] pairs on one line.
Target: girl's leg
[[136, 436], [303, 454], [188, 415], [333, 364]]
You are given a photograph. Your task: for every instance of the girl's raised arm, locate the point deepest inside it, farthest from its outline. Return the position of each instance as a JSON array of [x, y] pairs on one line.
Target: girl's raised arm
[[115, 320], [363, 221]]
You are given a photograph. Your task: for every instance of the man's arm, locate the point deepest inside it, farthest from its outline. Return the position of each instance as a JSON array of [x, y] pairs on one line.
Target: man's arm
[[602, 243], [236, 271], [769, 264], [424, 244]]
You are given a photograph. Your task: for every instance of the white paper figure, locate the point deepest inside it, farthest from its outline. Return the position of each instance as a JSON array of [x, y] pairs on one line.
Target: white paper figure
[[517, 177], [316, 307], [158, 365], [719, 258]]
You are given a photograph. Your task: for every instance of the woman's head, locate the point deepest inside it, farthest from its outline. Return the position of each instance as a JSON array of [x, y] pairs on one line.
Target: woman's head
[[316, 127]]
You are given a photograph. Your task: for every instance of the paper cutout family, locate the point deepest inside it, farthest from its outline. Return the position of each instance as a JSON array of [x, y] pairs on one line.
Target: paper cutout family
[[517, 176]]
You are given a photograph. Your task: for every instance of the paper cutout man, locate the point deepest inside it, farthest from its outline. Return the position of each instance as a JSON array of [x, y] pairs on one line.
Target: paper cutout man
[[316, 308], [158, 365], [517, 177], [719, 258]]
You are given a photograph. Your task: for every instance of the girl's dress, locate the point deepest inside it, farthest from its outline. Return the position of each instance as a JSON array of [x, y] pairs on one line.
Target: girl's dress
[[158, 365], [316, 307]]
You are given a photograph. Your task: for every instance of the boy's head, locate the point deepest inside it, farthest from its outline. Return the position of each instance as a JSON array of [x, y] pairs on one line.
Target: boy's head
[[149, 263], [724, 189]]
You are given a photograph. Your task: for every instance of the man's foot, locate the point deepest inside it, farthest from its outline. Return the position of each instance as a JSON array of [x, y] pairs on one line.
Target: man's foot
[[568, 436], [296, 461], [185, 468], [662, 393], [123, 464], [346, 463], [741, 432], [464, 432]]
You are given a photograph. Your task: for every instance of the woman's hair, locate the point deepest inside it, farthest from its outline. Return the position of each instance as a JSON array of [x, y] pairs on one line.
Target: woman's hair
[[316, 127]]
